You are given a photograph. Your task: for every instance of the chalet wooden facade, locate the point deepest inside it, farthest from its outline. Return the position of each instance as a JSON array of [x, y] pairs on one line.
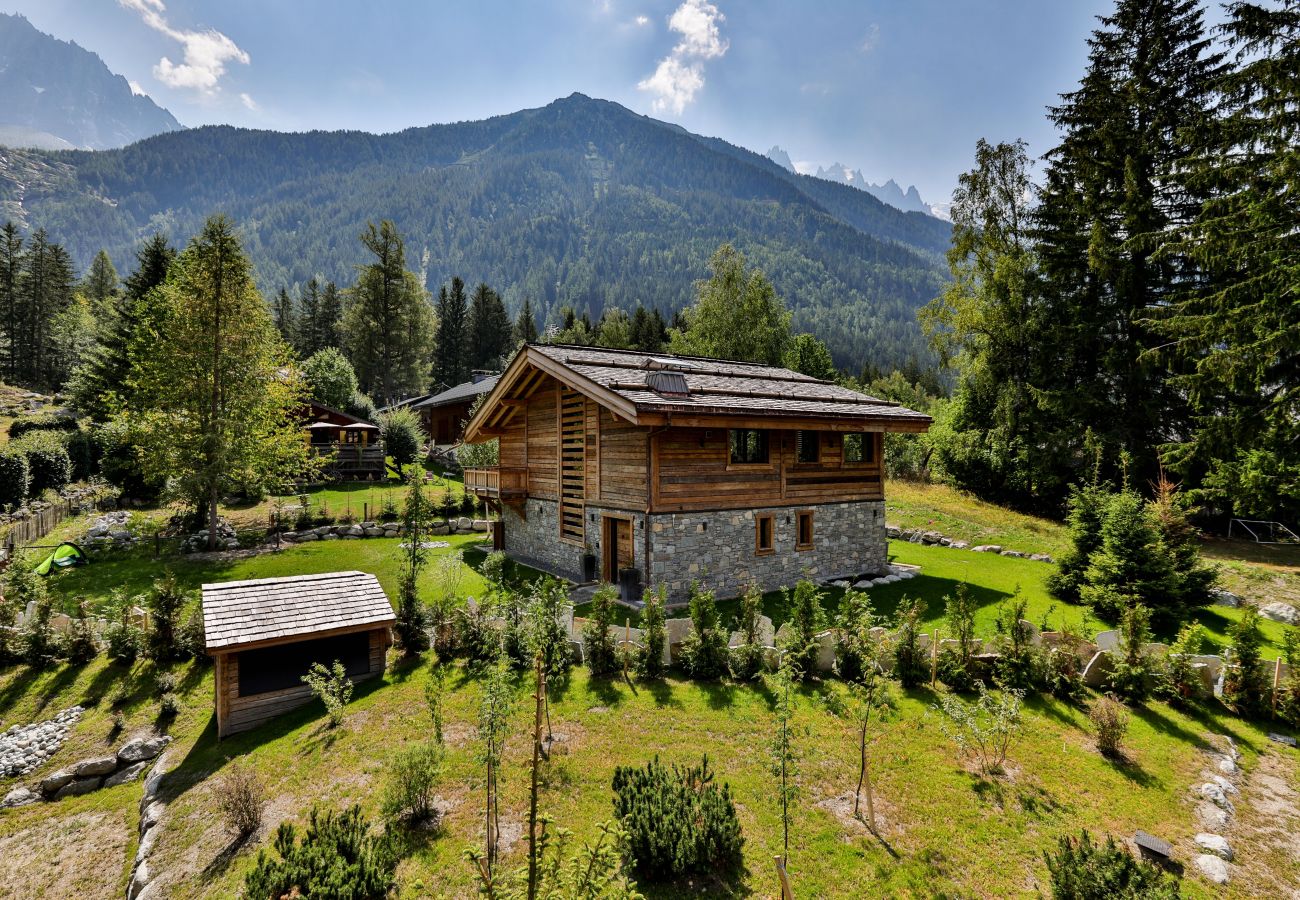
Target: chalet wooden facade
[[678, 469], [352, 444], [444, 414], [264, 634]]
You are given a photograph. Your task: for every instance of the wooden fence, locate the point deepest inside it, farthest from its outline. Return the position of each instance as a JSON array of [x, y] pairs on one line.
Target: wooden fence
[[26, 531]]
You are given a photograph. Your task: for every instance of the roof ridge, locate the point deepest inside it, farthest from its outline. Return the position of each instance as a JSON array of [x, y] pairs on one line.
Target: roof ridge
[[281, 579], [666, 353]]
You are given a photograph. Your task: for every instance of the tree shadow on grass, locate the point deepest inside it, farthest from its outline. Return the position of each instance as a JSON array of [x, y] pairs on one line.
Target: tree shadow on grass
[[718, 694], [1130, 768], [1053, 708], [606, 688], [663, 694], [220, 863], [1164, 724]]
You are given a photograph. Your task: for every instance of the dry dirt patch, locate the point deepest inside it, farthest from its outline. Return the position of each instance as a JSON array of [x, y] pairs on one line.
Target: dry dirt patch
[[1266, 833], [77, 855]]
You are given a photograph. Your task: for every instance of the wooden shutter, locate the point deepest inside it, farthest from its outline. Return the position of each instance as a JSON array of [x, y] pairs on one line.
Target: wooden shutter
[[573, 464]]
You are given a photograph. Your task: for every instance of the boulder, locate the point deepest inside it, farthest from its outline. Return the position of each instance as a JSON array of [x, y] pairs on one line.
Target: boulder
[[152, 815], [140, 880], [99, 765], [1107, 640], [1215, 794], [78, 786], [356, 531], [126, 775], [987, 548], [50, 784], [1098, 669], [931, 537], [142, 749], [329, 537], [19, 796], [1212, 816], [464, 524], [307, 536], [960, 545], [1040, 557], [1213, 868], [892, 531], [1013, 553], [374, 531], [826, 651], [1214, 843], [1225, 598], [439, 528], [1280, 612]]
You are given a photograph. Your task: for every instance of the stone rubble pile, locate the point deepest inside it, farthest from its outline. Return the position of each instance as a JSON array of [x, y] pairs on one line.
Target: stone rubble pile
[[359, 530], [1215, 809], [938, 539], [143, 884], [122, 767], [25, 747], [109, 530], [227, 539]]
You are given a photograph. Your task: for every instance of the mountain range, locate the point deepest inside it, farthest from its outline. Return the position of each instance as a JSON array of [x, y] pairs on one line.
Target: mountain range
[[55, 95], [581, 202], [890, 192]]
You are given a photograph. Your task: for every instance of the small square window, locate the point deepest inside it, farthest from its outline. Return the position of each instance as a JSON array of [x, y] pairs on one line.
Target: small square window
[[804, 534], [748, 445], [859, 448], [807, 446], [764, 534]]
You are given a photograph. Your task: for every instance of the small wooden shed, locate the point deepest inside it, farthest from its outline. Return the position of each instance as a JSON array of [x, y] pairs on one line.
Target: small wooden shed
[[264, 635]]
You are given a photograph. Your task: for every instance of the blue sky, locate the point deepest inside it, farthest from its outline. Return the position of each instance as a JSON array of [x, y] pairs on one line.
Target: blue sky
[[897, 89]]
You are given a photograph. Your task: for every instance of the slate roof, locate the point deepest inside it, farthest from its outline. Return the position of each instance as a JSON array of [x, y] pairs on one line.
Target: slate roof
[[721, 387], [460, 393], [264, 609]]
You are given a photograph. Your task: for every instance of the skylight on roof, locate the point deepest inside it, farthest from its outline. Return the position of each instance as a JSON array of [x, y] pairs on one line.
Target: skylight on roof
[[668, 362]]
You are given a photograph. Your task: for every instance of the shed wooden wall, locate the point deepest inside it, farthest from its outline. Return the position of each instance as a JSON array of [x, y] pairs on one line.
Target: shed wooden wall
[[236, 713]]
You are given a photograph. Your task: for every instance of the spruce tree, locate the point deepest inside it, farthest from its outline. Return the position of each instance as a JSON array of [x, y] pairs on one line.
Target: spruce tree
[[11, 259], [285, 317], [45, 287], [1235, 332], [1110, 197], [387, 325], [489, 329], [100, 285], [450, 357], [526, 324], [99, 385]]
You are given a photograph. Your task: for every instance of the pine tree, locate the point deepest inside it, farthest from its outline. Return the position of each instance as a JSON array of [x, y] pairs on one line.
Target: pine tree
[[1110, 196], [1237, 330], [11, 260], [450, 357], [329, 321], [99, 385], [45, 287], [285, 317], [100, 285], [387, 325], [526, 324], [489, 329]]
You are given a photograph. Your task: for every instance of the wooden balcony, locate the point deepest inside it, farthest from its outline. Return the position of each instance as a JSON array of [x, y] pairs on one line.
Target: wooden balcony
[[346, 460], [497, 482]]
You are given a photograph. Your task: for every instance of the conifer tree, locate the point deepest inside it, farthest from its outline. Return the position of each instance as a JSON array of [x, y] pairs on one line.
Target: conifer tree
[[285, 317], [100, 285], [450, 359], [489, 329], [526, 324], [387, 325], [11, 254], [1236, 330]]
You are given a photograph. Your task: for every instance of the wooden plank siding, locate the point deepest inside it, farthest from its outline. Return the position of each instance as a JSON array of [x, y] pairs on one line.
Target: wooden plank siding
[[623, 462], [694, 472]]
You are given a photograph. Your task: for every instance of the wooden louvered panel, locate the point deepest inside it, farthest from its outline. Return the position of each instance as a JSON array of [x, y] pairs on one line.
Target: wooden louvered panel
[[572, 464]]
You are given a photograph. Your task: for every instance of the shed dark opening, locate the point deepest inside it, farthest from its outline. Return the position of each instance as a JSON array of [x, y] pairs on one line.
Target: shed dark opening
[[280, 667]]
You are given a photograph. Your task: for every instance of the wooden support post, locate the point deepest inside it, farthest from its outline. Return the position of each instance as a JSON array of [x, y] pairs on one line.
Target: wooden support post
[[1277, 681], [538, 698], [786, 893], [934, 658]]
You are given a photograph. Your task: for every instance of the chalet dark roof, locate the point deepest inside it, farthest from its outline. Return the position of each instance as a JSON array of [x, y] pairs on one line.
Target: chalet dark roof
[[316, 410], [460, 393], [718, 387], [409, 401], [238, 613]]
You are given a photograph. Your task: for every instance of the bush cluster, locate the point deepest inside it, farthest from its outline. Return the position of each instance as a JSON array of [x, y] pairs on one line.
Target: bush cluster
[[337, 856], [704, 652], [1083, 870]]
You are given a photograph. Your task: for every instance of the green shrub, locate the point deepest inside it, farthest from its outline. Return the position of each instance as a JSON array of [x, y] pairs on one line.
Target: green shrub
[[651, 661], [910, 664], [169, 705], [125, 640], [704, 652], [1082, 870], [1246, 688], [544, 633], [1288, 699], [476, 636], [47, 460], [410, 780], [83, 451], [857, 647], [361, 406], [241, 799], [1131, 670], [403, 435], [984, 730], [27, 424], [746, 660], [598, 644], [165, 602], [15, 479], [1087, 509], [677, 822], [1018, 664], [1177, 681], [806, 619], [1110, 722], [330, 378], [332, 686], [336, 857], [82, 646], [593, 871]]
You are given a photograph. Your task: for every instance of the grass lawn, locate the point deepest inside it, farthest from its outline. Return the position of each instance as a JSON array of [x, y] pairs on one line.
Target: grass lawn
[[134, 571], [945, 830]]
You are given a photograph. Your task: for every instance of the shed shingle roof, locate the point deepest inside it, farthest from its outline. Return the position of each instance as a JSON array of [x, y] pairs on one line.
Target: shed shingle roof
[[466, 391], [721, 387], [265, 609]]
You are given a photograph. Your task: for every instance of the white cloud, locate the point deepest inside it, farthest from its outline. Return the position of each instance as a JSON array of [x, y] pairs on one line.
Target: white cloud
[[204, 54], [872, 40], [680, 75], [249, 102], [642, 21]]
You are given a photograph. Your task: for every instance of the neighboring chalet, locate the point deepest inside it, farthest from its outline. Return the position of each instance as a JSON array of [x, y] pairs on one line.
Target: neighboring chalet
[[444, 414], [669, 470], [264, 635], [357, 451]]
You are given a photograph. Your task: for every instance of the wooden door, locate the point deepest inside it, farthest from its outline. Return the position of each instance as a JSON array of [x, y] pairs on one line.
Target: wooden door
[[618, 546]]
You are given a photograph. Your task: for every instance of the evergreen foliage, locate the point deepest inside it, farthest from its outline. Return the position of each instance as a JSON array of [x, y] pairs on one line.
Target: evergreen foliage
[[598, 644], [651, 662], [677, 821], [1246, 688], [411, 631], [403, 435], [489, 330], [910, 664], [704, 652], [450, 356], [806, 619], [336, 857], [15, 478], [1084, 870]]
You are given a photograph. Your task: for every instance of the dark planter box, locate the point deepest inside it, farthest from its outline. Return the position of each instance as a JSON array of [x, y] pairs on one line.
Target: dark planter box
[[588, 567], [629, 585]]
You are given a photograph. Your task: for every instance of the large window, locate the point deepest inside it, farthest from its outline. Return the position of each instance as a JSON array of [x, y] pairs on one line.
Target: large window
[[764, 534], [748, 445], [859, 448], [807, 446]]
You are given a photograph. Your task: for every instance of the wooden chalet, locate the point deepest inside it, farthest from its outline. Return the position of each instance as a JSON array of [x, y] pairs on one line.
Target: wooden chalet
[[444, 414], [665, 470], [352, 443], [264, 635]]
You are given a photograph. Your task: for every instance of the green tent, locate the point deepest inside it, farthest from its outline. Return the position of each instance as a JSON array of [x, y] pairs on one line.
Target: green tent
[[65, 555]]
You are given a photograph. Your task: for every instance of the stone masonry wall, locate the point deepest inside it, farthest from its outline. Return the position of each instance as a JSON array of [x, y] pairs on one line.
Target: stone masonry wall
[[536, 539], [717, 548]]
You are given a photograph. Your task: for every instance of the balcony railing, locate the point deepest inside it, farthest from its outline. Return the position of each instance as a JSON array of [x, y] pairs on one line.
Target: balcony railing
[[497, 482]]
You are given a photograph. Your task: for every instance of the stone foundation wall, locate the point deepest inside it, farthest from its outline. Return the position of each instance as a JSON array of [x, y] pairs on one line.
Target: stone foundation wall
[[536, 539], [717, 548]]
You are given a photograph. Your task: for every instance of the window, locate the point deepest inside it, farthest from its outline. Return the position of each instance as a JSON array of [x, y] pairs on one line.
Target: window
[[804, 536], [748, 446], [807, 446], [859, 448], [764, 534]]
